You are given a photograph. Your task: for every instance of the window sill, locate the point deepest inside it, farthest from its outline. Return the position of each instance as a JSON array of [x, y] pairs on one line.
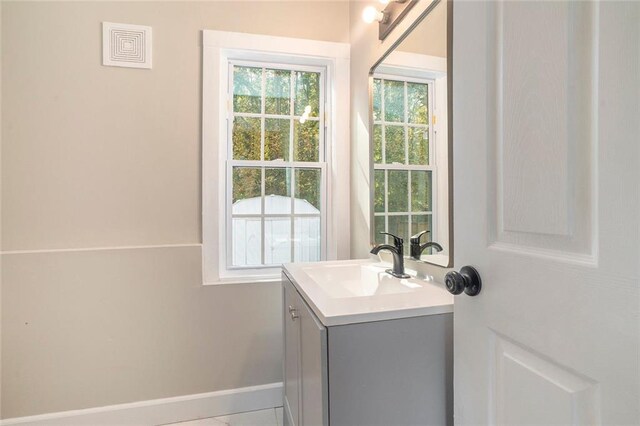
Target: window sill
[[246, 280]]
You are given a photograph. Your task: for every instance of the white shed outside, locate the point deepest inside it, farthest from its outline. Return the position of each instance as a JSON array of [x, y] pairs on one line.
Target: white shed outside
[[247, 244]]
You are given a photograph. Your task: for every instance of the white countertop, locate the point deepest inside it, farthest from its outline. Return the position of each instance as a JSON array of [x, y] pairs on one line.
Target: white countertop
[[354, 291]]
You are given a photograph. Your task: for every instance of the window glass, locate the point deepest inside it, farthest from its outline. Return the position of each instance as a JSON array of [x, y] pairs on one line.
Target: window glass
[[278, 92], [307, 93], [420, 191], [246, 138], [306, 140], [393, 101], [394, 147], [275, 209], [403, 187], [277, 190], [377, 99], [308, 182], [247, 184], [277, 139], [247, 90], [418, 103], [418, 145], [377, 143], [397, 191]]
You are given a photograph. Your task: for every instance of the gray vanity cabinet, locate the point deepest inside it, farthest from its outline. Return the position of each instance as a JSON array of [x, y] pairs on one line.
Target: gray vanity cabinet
[[391, 372], [305, 362]]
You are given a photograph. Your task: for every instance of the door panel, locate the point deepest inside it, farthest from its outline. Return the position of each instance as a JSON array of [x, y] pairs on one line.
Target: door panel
[[541, 132], [530, 389], [546, 160]]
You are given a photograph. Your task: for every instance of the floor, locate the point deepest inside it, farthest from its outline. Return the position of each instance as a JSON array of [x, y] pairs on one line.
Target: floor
[[270, 417]]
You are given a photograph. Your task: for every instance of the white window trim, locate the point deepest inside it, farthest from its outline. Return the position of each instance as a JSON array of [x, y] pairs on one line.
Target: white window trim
[[413, 65], [218, 49]]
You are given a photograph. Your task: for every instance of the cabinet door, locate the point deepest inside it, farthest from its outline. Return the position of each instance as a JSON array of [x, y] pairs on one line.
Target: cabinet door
[[314, 399], [291, 327]]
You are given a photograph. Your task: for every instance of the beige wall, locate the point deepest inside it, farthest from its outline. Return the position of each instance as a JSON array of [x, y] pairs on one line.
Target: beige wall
[[430, 37], [365, 49], [100, 157]]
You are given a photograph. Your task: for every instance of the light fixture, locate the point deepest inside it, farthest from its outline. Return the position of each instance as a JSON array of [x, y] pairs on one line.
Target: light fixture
[[370, 14], [388, 19]]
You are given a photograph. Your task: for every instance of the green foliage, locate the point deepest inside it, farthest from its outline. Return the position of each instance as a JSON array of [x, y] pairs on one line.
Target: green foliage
[[379, 191], [307, 93], [420, 191], [276, 139], [278, 135], [396, 130], [308, 186], [399, 225], [306, 141], [421, 223], [278, 92], [379, 226], [377, 99], [246, 183], [418, 145], [247, 87], [246, 138], [377, 143], [393, 101], [418, 103], [277, 182], [398, 191], [394, 146]]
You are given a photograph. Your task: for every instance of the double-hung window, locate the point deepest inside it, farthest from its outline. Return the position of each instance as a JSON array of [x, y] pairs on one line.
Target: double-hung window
[[276, 169], [403, 153], [275, 182]]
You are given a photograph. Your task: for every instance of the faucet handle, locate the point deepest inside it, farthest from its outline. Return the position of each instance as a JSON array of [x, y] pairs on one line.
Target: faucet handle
[[397, 241], [415, 239]]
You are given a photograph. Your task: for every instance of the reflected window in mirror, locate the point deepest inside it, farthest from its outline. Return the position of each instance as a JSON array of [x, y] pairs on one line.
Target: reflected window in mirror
[[410, 136], [404, 172]]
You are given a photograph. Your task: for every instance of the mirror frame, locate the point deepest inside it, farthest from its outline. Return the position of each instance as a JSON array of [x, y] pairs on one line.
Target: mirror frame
[[396, 43]]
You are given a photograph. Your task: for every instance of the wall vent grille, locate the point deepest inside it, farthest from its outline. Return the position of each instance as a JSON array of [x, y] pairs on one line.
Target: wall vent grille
[[125, 45]]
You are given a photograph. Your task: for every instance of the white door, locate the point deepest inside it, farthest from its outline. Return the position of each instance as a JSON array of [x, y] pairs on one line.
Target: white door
[[546, 189]]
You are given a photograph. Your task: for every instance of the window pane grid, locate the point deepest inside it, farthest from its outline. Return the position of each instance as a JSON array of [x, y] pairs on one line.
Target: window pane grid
[[275, 215], [412, 215], [412, 122], [389, 214], [405, 124], [288, 117], [384, 123], [313, 112], [291, 163], [304, 212]]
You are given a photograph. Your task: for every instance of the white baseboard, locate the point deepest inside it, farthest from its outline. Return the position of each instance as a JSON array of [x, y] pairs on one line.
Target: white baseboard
[[163, 411]]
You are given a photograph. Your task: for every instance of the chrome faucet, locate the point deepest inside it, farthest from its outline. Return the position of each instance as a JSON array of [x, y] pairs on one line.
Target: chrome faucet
[[417, 248], [397, 250]]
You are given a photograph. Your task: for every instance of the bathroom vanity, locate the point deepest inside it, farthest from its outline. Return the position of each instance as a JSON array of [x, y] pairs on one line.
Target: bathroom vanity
[[364, 348]]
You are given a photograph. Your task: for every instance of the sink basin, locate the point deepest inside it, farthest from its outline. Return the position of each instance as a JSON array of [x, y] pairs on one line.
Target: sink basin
[[339, 281], [345, 292]]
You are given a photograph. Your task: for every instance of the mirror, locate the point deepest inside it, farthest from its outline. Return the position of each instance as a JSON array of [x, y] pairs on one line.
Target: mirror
[[410, 136]]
